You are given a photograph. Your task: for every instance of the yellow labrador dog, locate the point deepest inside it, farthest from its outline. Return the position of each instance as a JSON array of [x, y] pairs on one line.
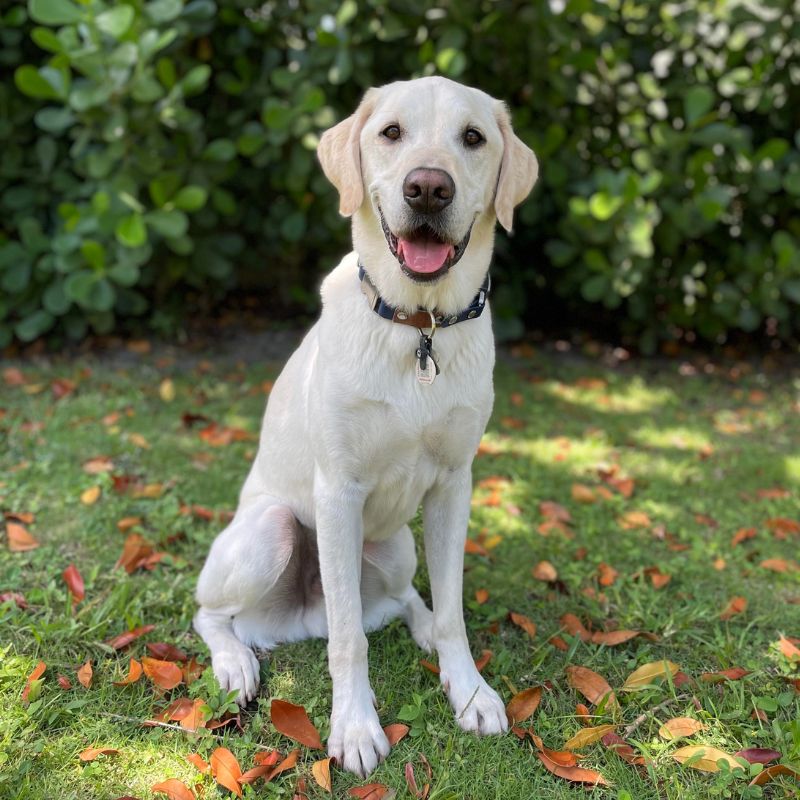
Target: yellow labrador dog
[[379, 410]]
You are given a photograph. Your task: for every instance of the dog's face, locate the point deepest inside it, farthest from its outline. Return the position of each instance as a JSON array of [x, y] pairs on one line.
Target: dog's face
[[426, 166]]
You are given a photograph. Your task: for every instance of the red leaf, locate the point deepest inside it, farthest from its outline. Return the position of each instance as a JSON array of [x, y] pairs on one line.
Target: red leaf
[[91, 753], [37, 673], [758, 755], [19, 540], [64, 682], [74, 582], [733, 674], [166, 652], [124, 639], [265, 768], [226, 770], [292, 721], [14, 597], [173, 789], [85, 674], [163, 674]]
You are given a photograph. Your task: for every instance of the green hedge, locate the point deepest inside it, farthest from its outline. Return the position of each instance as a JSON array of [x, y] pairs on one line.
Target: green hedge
[[155, 154]]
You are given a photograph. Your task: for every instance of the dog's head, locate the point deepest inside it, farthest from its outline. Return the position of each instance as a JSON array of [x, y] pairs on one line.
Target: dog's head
[[425, 167]]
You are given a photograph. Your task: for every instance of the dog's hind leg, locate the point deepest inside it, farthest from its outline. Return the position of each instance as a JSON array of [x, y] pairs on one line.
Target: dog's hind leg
[[245, 562], [393, 562]]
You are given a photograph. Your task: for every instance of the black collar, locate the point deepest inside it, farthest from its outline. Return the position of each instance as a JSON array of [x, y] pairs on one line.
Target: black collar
[[421, 318]]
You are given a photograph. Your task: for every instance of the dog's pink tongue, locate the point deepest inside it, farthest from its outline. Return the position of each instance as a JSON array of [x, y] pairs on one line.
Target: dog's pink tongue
[[424, 256]]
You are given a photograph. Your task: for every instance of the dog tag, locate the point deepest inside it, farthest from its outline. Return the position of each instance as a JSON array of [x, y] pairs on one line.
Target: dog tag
[[426, 368]]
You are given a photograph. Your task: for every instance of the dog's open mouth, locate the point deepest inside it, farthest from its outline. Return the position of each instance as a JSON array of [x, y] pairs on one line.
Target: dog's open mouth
[[423, 253]]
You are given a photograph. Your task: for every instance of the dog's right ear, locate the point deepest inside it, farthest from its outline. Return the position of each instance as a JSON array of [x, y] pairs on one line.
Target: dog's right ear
[[340, 155]]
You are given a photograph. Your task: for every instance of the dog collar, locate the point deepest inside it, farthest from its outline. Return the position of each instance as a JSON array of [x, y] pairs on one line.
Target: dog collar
[[421, 318]]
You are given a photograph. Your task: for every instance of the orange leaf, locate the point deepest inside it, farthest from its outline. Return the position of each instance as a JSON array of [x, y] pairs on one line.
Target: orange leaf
[[166, 652], [173, 789], [736, 605], [265, 766], [587, 736], [782, 526], [583, 714], [134, 673], [395, 732], [126, 523], [372, 791], [545, 571], [789, 649], [37, 673], [163, 674], [575, 774], [779, 565], [523, 704], [90, 496], [321, 770], [607, 575], [591, 685], [74, 582], [85, 674], [677, 727], [292, 721], [733, 674], [742, 535], [523, 622], [613, 638], [91, 753], [574, 627], [776, 770], [704, 757], [634, 519], [583, 494], [135, 551], [481, 596], [430, 667], [19, 540], [98, 464], [554, 511], [485, 658], [124, 639], [195, 719], [226, 770], [474, 548], [197, 761]]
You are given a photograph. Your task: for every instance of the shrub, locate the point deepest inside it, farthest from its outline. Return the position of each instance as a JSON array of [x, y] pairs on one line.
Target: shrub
[[156, 154]]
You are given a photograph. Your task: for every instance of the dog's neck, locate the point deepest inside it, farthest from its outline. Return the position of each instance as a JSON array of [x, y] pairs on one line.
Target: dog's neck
[[449, 295]]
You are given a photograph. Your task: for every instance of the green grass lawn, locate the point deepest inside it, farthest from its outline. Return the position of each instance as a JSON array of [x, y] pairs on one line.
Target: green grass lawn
[[709, 452]]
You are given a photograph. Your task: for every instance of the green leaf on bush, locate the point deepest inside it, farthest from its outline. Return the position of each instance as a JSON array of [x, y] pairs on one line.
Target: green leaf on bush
[[55, 299], [16, 276], [94, 253], [451, 62], [131, 231], [31, 82], [603, 206], [191, 198], [116, 21], [90, 291], [224, 202], [47, 40], [164, 187], [34, 325], [164, 10], [124, 274], [54, 120], [54, 12], [168, 223], [220, 150], [195, 81], [697, 101]]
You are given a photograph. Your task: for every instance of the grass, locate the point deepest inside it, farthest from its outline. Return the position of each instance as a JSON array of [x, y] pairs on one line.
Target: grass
[[701, 445]]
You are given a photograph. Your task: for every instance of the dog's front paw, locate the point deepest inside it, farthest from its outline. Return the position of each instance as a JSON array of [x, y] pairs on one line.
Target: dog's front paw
[[357, 741], [237, 669], [477, 706]]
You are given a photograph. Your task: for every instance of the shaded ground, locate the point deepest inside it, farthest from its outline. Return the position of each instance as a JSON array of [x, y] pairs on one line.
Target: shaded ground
[[707, 455]]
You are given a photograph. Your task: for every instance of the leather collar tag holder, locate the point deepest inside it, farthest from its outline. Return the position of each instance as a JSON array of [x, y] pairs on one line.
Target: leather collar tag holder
[[426, 368]]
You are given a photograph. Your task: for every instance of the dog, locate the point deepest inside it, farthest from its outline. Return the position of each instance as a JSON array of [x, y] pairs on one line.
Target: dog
[[379, 410]]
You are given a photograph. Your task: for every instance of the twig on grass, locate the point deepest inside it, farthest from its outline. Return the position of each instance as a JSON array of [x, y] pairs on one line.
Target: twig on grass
[[651, 713]]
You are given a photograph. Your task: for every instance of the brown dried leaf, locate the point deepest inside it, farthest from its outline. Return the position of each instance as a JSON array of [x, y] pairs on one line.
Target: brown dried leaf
[[732, 674], [19, 540], [37, 673], [321, 771], [574, 627], [85, 674], [587, 736], [371, 791], [198, 761], [647, 673], [226, 770], [166, 652], [775, 771], [293, 721], [677, 727], [709, 756], [134, 673], [124, 639], [523, 704], [74, 581], [591, 685], [607, 575], [91, 753], [395, 732], [523, 622], [736, 605], [163, 674], [575, 774], [173, 789], [545, 571]]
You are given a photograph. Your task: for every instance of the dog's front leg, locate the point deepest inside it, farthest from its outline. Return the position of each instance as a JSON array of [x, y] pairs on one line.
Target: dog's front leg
[[446, 514], [357, 740]]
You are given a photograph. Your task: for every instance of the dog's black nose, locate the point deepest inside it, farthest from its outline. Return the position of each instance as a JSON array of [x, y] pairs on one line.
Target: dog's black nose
[[428, 190]]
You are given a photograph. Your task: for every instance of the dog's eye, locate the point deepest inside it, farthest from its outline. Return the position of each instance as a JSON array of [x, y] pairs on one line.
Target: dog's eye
[[391, 132], [473, 138]]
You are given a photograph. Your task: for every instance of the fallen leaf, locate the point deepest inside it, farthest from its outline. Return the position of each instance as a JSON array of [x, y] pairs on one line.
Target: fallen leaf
[[19, 540], [124, 639], [192, 670], [554, 511], [775, 771], [173, 789], [583, 494], [647, 673], [575, 774], [265, 766], [782, 527], [780, 565], [411, 780], [74, 582], [371, 791], [135, 552], [545, 571], [574, 627], [658, 578], [614, 638], [484, 658], [163, 674], [677, 727], [607, 575], [591, 685], [789, 649], [523, 622], [758, 755], [523, 704], [226, 770], [321, 771], [139, 440], [742, 535], [64, 682], [13, 377], [90, 496], [85, 674], [430, 667], [37, 673], [126, 523], [14, 597], [558, 643], [166, 390], [196, 717], [583, 714], [134, 673], [166, 652], [704, 757], [293, 721], [587, 736], [91, 753], [481, 596], [631, 520], [198, 761], [736, 605], [395, 732], [733, 674], [475, 548], [618, 745]]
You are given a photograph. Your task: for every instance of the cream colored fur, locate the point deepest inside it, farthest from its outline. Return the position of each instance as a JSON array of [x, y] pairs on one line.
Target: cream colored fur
[[352, 444]]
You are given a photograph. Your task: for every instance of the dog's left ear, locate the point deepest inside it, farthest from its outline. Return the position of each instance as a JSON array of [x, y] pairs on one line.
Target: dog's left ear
[[518, 170], [340, 155]]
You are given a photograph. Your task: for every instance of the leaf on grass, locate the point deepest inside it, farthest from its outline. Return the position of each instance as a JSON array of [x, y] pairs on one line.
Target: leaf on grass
[[226, 770], [163, 674], [583, 714], [134, 673], [98, 465], [591, 685], [481, 596], [583, 494], [574, 627], [521, 621], [704, 757], [782, 527], [196, 717], [647, 673], [19, 540], [395, 732], [775, 771], [90, 496], [321, 771], [74, 581], [780, 565], [192, 670], [64, 682], [126, 523], [85, 674], [91, 753], [574, 774], [124, 639], [732, 674], [736, 605], [166, 652], [587, 736], [475, 548], [37, 673], [293, 721], [758, 755], [372, 791], [411, 780], [197, 760], [554, 511], [14, 597], [265, 764], [135, 551], [614, 638], [606, 574], [789, 649], [545, 571], [173, 789], [631, 520], [742, 535], [523, 704], [677, 727], [618, 745]]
